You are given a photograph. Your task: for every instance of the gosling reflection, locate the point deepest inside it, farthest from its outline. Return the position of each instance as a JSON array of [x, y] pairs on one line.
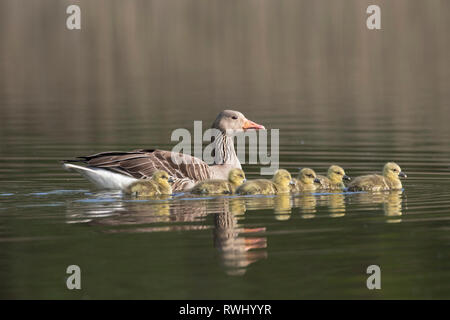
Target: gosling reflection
[[230, 239], [391, 201], [307, 203], [280, 204], [282, 207], [336, 204], [141, 212], [393, 205]]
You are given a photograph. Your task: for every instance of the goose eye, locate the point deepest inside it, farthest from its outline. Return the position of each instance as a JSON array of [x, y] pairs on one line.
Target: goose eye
[[234, 117]]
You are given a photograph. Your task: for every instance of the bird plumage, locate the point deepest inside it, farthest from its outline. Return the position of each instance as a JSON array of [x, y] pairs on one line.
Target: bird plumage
[[159, 184], [186, 170], [305, 181], [217, 186], [375, 182], [278, 185]]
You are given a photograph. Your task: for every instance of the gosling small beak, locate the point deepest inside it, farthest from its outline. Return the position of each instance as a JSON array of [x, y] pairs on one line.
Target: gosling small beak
[[245, 180], [316, 180], [346, 177], [402, 174], [170, 179], [292, 182], [248, 124]]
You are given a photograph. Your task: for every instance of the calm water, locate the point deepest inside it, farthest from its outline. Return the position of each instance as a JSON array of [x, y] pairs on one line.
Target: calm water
[[304, 246], [338, 92]]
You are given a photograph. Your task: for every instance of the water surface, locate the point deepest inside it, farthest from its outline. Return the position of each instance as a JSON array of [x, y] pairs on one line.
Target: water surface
[[339, 93]]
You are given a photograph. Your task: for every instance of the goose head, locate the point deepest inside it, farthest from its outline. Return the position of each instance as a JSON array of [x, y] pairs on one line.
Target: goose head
[[336, 174], [282, 179], [162, 179], [308, 176], [392, 171], [236, 177], [234, 121]]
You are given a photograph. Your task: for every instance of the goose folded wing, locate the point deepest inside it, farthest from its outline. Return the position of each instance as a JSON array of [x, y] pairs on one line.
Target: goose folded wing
[[141, 164]]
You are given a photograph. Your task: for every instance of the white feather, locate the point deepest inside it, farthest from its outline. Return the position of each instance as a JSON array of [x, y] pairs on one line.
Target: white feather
[[102, 178]]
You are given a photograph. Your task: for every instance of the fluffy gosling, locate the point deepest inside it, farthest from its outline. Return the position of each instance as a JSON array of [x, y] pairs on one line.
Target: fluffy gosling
[[390, 180], [334, 179], [278, 185], [158, 184], [236, 177], [305, 181]]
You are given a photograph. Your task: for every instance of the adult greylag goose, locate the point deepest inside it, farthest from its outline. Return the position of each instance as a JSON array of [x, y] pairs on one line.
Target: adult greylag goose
[[158, 184], [305, 181], [236, 177], [278, 185], [390, 180], [334, 179], [117, 170]]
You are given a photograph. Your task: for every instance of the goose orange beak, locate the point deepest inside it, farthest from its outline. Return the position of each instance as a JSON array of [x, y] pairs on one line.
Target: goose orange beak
[[248, 124]]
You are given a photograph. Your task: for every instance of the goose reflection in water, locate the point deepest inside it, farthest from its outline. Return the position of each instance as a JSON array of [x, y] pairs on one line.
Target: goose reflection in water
[[280, 204], [335, 201], [307, 203], [391, 202], [232, 241]]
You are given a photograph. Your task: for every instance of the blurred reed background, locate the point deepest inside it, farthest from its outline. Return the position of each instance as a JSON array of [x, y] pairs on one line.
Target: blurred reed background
[[161, 59], [338, 92]]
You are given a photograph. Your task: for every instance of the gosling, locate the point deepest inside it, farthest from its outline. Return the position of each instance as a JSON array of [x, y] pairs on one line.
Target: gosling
[[158, 184], [278, 185], [305, 181], [334, 179], [390, 180], [236, 177]]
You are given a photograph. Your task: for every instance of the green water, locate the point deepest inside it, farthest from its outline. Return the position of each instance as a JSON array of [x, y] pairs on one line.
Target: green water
[[338, 92], [302, 246]]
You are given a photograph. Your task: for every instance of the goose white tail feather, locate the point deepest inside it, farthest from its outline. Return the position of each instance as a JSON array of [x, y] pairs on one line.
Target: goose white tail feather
[[102, 178]]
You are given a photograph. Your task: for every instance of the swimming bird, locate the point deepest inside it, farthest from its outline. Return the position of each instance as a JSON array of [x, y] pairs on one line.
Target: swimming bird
[[116, 170], [158, 184], [390, 180], [236, 177], [333, 180], [278, 185], [305, 181]]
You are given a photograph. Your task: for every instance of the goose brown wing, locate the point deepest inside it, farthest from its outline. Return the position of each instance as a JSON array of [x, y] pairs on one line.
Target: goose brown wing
[[141, 164]]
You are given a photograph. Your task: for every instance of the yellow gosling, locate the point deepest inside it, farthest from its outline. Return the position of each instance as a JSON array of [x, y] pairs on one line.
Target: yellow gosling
[[158, 184], [305, 181], [236, 177], [278, 185], [390, 180], [334, 179]]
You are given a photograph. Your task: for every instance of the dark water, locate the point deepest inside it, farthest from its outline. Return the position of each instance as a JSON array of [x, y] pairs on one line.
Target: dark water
[[339, 94], [304, 246]]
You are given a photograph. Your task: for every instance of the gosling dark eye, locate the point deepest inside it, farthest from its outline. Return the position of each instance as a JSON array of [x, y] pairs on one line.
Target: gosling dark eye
[[338, 173], [395, 170], [234, 117]]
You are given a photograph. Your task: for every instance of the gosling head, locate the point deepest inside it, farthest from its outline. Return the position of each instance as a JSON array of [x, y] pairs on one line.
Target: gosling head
[[336, 174], [163, 179], [234, 121], [393, 171], [308, 176], [282, 178], [236, 177]]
